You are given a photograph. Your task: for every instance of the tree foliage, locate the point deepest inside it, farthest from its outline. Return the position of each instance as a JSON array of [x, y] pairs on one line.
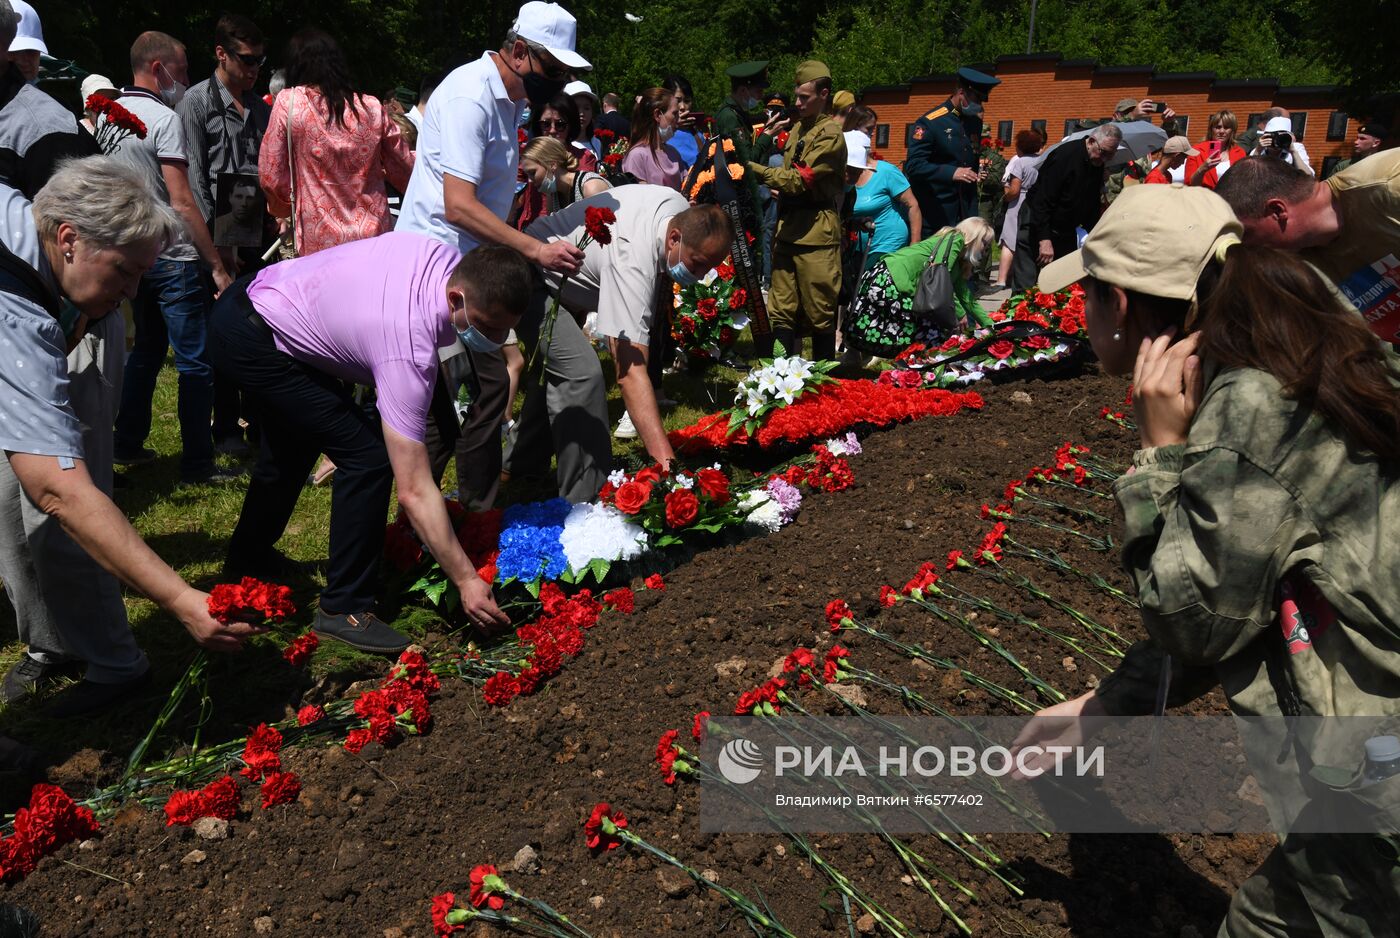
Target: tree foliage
[[397, 41]]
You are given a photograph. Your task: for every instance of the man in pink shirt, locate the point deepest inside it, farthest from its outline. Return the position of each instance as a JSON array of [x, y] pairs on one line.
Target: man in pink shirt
[[295, 339]]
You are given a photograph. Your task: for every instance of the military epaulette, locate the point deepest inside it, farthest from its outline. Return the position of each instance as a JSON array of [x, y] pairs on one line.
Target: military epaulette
[[935, 114]]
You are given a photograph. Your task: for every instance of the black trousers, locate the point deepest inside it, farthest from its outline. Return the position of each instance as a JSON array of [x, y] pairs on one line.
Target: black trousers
[[302, 412], [476, 444]]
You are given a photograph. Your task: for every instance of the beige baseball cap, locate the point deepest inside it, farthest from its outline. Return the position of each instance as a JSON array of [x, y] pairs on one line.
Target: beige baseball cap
[[1179, 144], [1153, 239]]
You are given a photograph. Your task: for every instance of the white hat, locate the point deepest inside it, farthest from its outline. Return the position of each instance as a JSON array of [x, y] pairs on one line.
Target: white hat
[[857, 149], [95, 83], [551, 26], [580, 87], [29, 35], [1277, 124]]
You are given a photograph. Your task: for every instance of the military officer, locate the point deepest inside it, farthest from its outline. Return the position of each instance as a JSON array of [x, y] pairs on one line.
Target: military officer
[[741, 118], [807, 248], [943, 154]]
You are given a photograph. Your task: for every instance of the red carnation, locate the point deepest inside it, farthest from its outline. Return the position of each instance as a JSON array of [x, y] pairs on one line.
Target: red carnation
[[594, 835], [443, 904], [481, 896], [832, 663], [182, 807], [632, 496], [836, 612], [596, 222], [800, 662], [682, 507], [299, 651], [622, 599], [654, 582], [225, 602], [260, 752], [280, 788], [1002, 348], [220, 799], [357, 739], [699, 727], [888, 597]]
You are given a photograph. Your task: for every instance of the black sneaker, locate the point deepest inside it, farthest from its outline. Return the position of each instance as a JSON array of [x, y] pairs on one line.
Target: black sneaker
[[28, 674], [363, 630], [138, 458], [90, 697], [216, 476]]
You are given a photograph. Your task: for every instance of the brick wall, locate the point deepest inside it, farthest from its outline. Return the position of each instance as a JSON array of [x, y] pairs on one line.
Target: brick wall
[[1047, 88]]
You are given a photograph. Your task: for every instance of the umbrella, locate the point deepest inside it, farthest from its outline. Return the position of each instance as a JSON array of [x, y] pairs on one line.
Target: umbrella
[[1139, 139]]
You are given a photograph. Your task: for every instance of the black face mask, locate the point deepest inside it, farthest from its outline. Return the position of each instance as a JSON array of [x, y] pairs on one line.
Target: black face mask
[[541, 90]]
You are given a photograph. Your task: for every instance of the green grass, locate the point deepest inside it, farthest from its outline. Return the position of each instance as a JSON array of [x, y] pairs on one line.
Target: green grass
[[189, 528]]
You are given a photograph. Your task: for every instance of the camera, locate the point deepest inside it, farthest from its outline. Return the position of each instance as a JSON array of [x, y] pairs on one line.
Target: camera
[[1280, 141]]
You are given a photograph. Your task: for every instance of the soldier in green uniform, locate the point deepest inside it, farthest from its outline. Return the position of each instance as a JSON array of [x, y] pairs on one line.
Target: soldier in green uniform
[[943, 153], [807, 249], [742, 112], [1370, 137]]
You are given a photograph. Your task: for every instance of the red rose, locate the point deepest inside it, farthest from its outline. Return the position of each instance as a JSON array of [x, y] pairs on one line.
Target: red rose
[[682, 507], [726, 335], [1038, 342], [1001, 349], [739, 299], [714, 485], [650, 474], [596, 219], [654, 582], [1069, 325], [708, 309], [632, 496], [280, 788]]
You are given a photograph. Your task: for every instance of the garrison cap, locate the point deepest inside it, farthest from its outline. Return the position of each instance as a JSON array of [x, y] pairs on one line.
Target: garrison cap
[[843, 99], [752, 69], [979, 80], [811, 70]]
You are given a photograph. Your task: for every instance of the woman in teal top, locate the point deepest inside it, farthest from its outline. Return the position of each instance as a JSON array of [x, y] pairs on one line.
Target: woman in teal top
[[882, 321], [883, 196]]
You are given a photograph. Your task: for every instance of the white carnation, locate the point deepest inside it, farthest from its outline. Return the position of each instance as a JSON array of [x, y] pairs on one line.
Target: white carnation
[[600, 532]]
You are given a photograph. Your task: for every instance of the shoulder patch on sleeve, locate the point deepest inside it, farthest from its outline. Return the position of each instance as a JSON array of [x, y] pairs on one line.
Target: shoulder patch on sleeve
[[935, 114], [918, 132]]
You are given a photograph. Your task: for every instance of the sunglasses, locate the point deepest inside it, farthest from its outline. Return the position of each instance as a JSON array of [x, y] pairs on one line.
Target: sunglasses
[[546, 124], [249, 59], [556, 71]]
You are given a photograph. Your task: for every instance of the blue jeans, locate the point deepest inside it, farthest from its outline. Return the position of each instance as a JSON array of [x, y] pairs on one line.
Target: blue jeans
[[171, 307]]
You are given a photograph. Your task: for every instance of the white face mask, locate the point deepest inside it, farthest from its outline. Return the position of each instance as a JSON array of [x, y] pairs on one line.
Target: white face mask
[[174, 93], [665, 133]]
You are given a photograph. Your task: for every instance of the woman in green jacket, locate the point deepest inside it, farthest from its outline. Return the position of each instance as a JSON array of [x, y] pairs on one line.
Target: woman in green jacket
[[882, 321], [1262, 531]]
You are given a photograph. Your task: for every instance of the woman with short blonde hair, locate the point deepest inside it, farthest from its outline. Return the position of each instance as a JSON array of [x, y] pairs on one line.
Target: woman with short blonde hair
[[1217, 153]]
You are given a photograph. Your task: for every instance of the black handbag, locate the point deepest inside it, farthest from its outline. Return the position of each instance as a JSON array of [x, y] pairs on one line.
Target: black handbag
[[933, 298]]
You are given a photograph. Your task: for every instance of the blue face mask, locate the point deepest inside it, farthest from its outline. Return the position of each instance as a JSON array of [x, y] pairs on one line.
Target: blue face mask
[[681, 273], [476, 340]]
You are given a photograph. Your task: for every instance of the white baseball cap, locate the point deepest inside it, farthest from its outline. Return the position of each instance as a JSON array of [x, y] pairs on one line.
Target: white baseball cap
[[857, 149], [580, 87], [29, 34], [95, 83], [551, 26]]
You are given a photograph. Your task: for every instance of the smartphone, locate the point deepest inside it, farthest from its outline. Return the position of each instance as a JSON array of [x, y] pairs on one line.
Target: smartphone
[[1212, 148], [700, 118], [1161, 107]]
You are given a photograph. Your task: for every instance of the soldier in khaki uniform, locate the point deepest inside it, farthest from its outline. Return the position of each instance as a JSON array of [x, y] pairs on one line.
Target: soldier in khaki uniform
[[1259, 524], [807, 249]]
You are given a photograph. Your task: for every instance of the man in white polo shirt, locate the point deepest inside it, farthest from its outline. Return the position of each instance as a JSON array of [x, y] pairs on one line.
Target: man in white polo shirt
[[461, 190]]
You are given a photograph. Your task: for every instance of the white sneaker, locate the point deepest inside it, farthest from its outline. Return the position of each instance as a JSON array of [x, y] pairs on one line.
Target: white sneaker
[[625, 429]]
